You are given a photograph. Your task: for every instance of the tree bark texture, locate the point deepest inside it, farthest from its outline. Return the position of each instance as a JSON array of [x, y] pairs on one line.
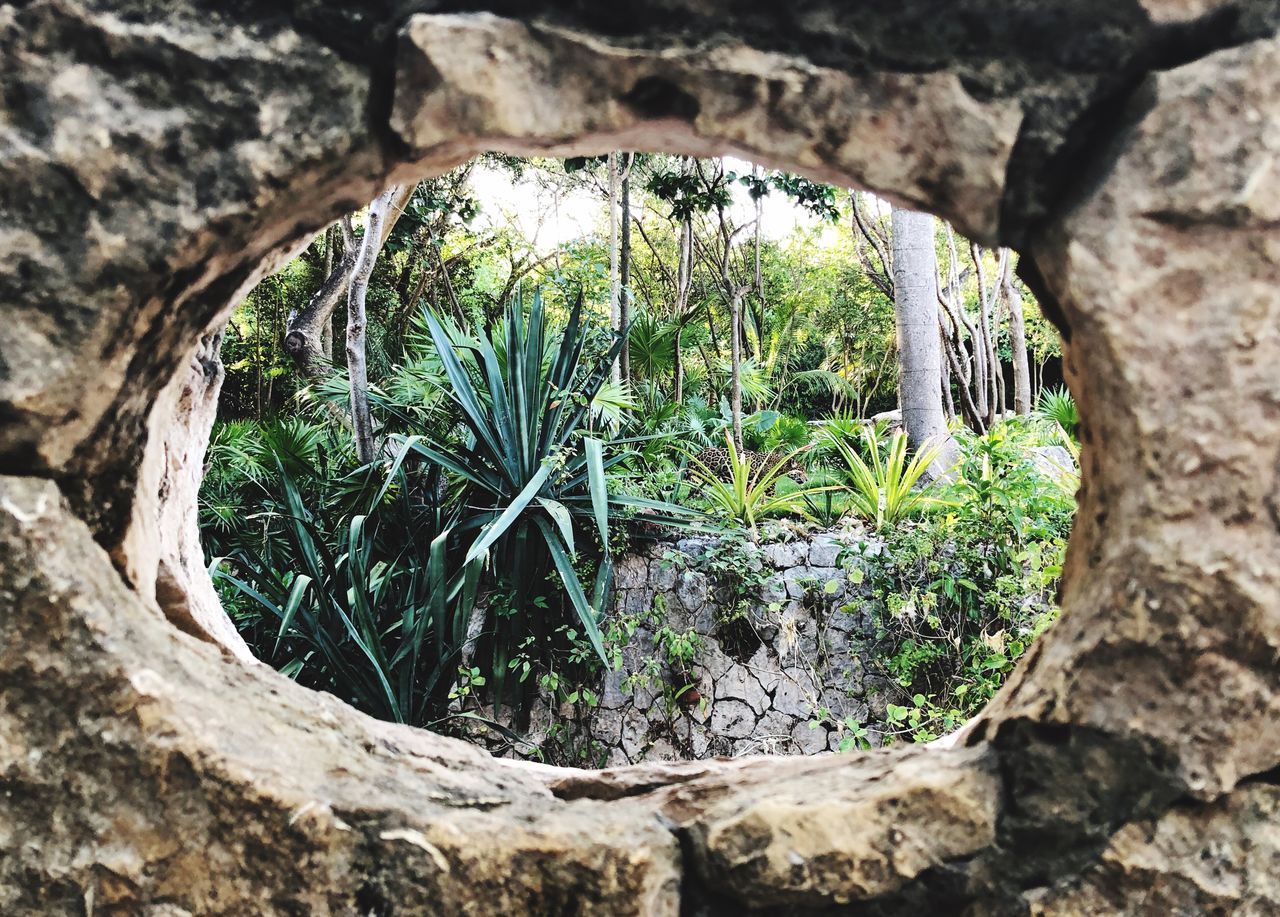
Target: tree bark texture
[[305, 339], [624, 262], [1022, 402], [615, 285], [1129, 764], [379, 215], [915, 303]]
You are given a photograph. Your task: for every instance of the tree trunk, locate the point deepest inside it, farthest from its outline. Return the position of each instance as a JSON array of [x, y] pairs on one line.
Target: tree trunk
[[615, 303], [919, 347], [357, 368], [735, 365], [624, 266], [1018, 344], [678, 368], [304, 338], [684, 282]]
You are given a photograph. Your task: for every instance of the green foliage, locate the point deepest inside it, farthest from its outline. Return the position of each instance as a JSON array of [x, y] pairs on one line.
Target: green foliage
[[966, 591], [509, 458], [1058, 407], [527, 480], [360, 605], [748, 495], [883, 486]]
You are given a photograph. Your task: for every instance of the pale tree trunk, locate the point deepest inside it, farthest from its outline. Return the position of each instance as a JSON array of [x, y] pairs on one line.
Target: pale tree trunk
[[357, 367], [615, 305], [990, 403], [919, 347], [309, 336], [684, 283], [624, 266], [735, 365], [734, 294], [331, 241], [304, 339], [1018, 344], [185, 414]]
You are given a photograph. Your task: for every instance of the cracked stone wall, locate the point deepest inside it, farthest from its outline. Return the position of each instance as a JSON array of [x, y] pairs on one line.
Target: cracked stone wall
[[780, 677]]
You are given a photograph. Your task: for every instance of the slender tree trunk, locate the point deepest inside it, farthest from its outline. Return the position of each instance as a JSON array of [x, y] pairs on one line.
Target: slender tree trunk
[[1018, 344], [678, 369], [947, 401], [919, 346], [684, 282], [615, 302], [735, 365], [357, 367], [332, 239], [303, 338], [624, 266]]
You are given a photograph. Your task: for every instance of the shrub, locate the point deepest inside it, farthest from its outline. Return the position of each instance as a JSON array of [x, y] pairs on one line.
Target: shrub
[[967, 590], [748, 494], [883, 486]]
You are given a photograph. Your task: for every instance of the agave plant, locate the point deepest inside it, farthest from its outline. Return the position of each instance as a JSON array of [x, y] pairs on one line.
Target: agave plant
[[883, 486], [748, 494], [380, 620], [530, 483]]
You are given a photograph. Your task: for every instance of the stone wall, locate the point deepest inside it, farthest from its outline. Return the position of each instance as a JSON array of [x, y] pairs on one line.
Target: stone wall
[[779, 671]]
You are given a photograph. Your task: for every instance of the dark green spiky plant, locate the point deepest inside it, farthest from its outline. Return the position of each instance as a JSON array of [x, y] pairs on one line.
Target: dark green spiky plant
[[529, 481], [366, 605]]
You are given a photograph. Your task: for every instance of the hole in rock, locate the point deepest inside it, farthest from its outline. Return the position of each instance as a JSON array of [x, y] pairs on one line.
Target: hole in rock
[[642, 457]]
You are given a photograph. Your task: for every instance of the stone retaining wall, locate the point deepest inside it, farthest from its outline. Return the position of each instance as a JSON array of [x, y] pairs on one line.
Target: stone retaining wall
[[783, 676]]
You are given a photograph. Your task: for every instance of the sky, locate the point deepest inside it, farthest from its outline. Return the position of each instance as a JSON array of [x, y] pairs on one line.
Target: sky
[[550, 218]]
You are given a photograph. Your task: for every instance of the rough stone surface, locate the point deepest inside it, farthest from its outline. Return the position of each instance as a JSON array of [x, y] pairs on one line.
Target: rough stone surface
[[802, 669], [155, 159]]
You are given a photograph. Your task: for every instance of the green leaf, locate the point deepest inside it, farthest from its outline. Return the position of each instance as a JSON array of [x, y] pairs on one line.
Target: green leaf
[[564, 566], [563, 520], [599, 493], [300, 584], [495, 529]]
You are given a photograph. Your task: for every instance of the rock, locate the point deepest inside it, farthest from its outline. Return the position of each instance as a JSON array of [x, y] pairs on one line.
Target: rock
[[611, 694], [606, 726], [764, 669], [634, 733], [792, 695], [1053, 462], [774, 591], [785, 555], [157, 158], [630, 572], [691, 590], [810, 740], [732, 719], [822, 578], [740, 684], [662, 575], [824, 551], [797, 582], [662, 750], [638, 602]]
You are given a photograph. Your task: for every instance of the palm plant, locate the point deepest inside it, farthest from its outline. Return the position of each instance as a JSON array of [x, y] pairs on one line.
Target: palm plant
[[749, 495], [882, 486], [1058, 407], [528, 480], [651, 344]]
